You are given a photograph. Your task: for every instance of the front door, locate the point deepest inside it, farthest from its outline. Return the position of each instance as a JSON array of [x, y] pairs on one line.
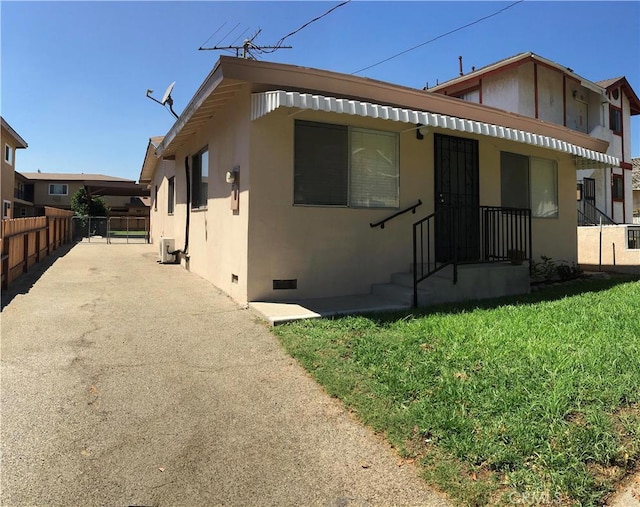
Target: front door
[[457, 195]]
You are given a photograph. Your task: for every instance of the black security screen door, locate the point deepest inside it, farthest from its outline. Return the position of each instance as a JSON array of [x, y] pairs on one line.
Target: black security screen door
[[457, 189]]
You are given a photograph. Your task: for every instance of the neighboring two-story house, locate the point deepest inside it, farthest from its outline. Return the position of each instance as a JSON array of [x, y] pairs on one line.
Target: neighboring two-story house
[[11, 142], [56, 189], [533, 86]]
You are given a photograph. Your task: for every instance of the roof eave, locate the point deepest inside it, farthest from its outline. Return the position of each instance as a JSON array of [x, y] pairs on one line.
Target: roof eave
[[517, 59], [20, 143], [263, 76], [149, 164], [634, 101]]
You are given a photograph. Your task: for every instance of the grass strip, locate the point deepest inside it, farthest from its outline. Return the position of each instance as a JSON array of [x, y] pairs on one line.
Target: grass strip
[[536, 396]]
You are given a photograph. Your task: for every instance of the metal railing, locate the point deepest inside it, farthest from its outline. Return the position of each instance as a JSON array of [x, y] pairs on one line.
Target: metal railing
[[111, 229], [466, 235], [412, 209], [588, 214]]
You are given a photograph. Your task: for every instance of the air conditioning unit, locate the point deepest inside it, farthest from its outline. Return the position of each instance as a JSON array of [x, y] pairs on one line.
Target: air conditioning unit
[[167, 245]]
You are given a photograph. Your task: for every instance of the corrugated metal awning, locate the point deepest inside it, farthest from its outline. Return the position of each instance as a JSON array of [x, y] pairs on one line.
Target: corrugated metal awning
[[266, 102]]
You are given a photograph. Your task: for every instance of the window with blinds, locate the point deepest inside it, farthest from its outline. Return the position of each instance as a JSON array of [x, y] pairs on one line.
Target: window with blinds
[[529, 182], [336, 165]]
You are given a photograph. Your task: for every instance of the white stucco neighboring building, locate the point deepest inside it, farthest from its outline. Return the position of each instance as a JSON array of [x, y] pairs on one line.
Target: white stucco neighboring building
[[533, 86]]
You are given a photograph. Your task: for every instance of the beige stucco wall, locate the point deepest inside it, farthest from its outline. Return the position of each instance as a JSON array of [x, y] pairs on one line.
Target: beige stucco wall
[[333, 251], [330, 251], [218, 236], [614, 239]]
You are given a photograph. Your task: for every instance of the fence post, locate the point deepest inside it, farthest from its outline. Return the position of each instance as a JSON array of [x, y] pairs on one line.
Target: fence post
[[25, 255]]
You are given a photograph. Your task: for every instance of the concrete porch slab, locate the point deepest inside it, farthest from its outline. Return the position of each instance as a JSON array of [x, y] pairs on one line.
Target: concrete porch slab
[[280, 312]]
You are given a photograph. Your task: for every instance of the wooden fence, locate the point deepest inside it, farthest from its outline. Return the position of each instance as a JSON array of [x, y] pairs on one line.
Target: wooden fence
[[26, 241]]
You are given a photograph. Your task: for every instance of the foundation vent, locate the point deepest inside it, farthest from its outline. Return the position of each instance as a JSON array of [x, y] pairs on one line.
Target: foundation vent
[[285, 284]]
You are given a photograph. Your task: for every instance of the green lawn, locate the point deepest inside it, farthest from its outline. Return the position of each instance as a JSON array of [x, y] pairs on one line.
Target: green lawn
[[126, 233], [509, 401]]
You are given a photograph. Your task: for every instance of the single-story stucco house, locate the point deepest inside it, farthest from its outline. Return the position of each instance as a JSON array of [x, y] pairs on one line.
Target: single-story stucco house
[[273, 182]]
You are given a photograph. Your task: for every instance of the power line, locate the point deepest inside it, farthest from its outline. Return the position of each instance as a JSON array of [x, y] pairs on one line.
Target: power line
[[439, 37], [279, 43]]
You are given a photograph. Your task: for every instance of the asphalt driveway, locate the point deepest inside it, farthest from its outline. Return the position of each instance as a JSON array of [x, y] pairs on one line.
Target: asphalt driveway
[[126, 382]]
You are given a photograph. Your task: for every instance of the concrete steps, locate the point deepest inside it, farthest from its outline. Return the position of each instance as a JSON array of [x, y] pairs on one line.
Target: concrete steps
[[475, 281]]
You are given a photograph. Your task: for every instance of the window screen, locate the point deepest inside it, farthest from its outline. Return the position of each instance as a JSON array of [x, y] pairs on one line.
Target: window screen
[[514, 180], [321, 164]]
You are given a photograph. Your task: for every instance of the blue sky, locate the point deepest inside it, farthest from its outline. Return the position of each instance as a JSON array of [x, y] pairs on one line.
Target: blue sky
[[74, 74]]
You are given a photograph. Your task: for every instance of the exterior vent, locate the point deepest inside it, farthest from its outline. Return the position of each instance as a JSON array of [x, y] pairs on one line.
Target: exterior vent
[[167, 245], [285, 284]]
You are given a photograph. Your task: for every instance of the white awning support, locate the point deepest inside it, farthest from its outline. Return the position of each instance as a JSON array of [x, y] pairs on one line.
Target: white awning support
[[266, 102]]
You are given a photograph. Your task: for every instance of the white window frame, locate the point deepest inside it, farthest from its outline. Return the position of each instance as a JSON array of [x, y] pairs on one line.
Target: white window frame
[[6, 210], [64, 185], [8, 153]]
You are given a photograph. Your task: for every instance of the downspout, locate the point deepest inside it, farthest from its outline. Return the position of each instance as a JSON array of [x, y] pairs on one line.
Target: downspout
[[185, 250]]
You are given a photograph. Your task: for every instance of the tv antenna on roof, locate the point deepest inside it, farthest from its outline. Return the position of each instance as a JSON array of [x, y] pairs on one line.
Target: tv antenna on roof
[[166, 98], [247, 48]]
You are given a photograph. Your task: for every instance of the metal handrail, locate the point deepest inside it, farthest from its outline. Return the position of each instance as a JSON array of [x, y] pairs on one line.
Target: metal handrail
[[589, 214], [419, 273], [503, 234], [397, 214]]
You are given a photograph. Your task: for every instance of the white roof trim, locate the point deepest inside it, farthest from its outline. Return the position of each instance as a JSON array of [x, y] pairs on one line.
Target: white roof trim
[[266, 102]]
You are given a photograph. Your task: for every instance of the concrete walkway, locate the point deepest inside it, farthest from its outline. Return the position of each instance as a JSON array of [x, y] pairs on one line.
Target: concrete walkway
[[126, 382]]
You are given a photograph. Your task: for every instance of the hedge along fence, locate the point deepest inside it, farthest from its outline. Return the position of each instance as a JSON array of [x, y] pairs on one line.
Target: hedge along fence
[[26, 241]]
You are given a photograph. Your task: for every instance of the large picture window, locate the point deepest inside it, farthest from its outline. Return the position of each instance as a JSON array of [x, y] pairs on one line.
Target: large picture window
[[529, 182], [336, 165], [200, 179]]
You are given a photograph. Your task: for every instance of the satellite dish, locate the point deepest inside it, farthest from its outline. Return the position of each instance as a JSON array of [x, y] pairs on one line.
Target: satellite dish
[[167, 94]]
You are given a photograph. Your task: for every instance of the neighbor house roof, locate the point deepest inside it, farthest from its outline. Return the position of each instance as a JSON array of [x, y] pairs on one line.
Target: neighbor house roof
[[150, 160], [511, 62], [635, 174], [20, 143], [72, 177], [230, 74], [634, 101]]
